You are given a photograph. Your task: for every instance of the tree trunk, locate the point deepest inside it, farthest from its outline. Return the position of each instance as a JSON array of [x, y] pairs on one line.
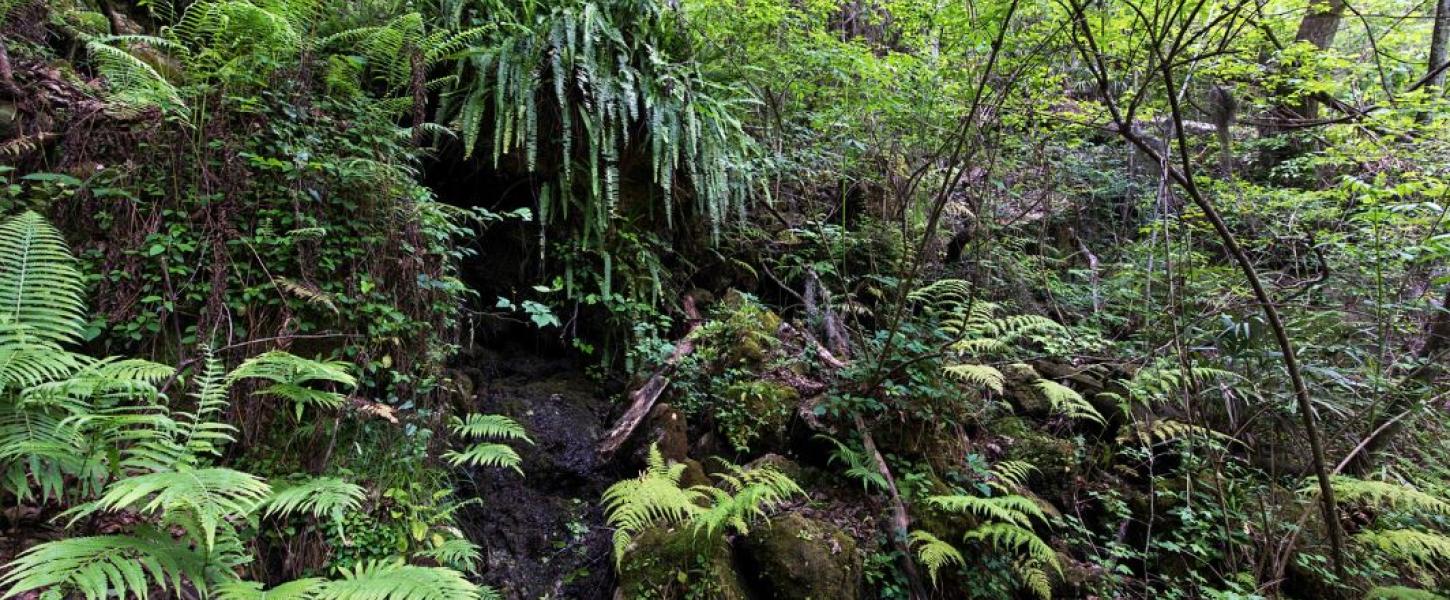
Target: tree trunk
[[1439, 44], [1319, 27]]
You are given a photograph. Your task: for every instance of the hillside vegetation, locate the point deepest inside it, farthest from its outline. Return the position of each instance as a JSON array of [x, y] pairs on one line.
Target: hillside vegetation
[[736, 299]]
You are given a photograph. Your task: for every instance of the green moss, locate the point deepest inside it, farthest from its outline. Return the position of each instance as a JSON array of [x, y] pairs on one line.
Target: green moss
[[673, 564], [752, 409], [798, 558]]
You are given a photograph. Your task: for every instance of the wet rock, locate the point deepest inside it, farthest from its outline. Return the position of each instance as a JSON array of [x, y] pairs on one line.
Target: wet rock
[[673, 564], [1024, 396], [794, 557], [667, 430], [779, 463]]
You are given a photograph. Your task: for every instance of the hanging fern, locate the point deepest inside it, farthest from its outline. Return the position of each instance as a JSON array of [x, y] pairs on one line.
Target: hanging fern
[[618, 77]]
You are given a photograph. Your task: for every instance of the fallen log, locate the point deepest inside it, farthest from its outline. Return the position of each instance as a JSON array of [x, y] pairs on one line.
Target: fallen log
[[642, 399]]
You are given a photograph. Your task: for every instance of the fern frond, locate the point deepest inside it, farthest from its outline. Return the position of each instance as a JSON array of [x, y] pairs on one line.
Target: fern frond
[[1423, 548], [857, 465], [978, 375], [395, 580], [1014, 509], [479, 426], [1067, 401], [320, 497], [300, 589], [485, 455], [102, 566], [1399, 592], [1018, 539], [292, 375], [40, 286], [1382, 493], [456, 552], [633, 505], [208, 495], [934, 553]]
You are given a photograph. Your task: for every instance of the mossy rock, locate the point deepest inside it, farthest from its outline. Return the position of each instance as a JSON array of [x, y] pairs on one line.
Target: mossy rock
[[674, 564], [1054, 457], [798, 558], [762, 411]]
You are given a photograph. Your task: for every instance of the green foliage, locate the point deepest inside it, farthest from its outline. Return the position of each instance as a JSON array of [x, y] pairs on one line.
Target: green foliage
[[655, 498], [291, 379], [95, 567], [934, 553], [40, 287], [497, 427], [318, 496], [1007, 523]]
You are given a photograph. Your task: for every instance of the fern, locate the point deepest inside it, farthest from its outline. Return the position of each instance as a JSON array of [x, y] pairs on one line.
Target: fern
[[741, 495], [300, 589], [655, 497], [292, 376], [978, 375], [1393, 495], [1067, 401], [318, 496], [204, 496], [101, 566], [478, 426], [1425, 549], [1397, 592], [40, 287], [1013, 509], [934, 553], [1007, 526], [455, 552], [857, 465], [395, 580]]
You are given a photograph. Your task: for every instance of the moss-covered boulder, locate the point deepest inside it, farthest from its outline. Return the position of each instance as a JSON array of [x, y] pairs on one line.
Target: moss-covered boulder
[[674, 564], [1055, 458], [794, 557]]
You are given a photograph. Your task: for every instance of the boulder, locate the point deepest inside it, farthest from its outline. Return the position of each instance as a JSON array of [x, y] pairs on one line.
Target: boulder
[[674, 563], [794, 557]]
